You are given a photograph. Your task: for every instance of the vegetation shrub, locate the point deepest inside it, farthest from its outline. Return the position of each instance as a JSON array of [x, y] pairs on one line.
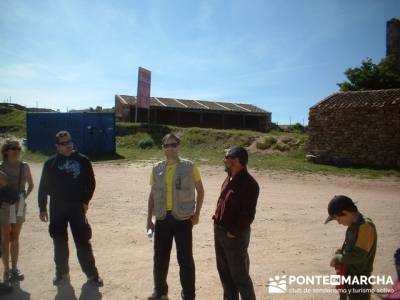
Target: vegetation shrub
[[146, 143], [266, 143]]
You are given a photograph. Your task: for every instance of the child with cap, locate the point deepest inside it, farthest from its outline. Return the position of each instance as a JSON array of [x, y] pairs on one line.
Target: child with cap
[[357, 254]]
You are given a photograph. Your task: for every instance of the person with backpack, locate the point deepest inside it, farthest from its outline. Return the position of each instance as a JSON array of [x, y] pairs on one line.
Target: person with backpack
[[13, 214]]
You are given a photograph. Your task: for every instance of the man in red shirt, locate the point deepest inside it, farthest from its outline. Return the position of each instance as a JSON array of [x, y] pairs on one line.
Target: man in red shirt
[[236, 208]]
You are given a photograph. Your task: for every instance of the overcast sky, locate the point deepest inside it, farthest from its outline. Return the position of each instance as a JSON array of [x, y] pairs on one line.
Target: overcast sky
[[283, 56]]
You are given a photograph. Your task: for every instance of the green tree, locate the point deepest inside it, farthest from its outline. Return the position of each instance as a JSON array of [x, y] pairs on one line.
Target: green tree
[[370, 76]]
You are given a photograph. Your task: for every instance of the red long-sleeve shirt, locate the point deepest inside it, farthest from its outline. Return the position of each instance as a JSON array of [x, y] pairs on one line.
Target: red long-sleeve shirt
[[236, 206]]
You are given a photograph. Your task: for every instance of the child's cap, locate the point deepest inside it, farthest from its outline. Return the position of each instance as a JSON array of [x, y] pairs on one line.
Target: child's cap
[[338, 204]]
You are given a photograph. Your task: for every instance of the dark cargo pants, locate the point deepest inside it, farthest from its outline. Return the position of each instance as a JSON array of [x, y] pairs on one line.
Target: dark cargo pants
[[62, 213]]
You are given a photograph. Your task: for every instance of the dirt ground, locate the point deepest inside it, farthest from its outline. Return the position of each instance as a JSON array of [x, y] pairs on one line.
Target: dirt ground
[[288, 235]]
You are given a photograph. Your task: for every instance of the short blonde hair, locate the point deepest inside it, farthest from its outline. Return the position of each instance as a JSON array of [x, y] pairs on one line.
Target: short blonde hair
[[7, 146], [171, 136]]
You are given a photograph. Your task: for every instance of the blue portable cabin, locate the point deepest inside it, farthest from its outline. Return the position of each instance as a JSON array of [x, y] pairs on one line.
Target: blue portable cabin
[[92, 133]]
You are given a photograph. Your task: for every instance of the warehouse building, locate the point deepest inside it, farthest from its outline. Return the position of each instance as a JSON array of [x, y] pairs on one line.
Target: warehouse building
[[194, 113]]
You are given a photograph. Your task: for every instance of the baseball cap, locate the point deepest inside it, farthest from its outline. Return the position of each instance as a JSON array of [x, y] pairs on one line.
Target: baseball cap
[[338, 204], [240, 153]]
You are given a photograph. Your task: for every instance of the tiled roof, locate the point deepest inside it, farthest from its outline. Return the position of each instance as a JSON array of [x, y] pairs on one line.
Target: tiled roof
[[359, 99], [197, 104]]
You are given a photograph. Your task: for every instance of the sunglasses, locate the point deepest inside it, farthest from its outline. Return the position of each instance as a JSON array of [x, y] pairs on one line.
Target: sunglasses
[[15, 148], [66, 143], [230, 157], [172, 145]]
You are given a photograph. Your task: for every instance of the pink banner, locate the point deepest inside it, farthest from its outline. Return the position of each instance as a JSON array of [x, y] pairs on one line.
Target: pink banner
[[143, 90]]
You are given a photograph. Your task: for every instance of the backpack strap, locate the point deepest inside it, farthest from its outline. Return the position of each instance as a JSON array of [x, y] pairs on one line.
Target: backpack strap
[[19, 177]]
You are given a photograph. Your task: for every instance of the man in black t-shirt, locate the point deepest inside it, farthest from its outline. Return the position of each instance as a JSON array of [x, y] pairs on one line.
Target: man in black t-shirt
[[68, 179]]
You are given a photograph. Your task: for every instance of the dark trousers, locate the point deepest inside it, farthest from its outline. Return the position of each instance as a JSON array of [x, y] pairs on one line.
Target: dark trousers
[[62, 213], [233, 264], [165, 231]]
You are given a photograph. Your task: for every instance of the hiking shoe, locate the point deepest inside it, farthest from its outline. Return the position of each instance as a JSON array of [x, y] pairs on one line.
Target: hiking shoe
[[155, 296], [16, 275], [59, 279], [95, 280]]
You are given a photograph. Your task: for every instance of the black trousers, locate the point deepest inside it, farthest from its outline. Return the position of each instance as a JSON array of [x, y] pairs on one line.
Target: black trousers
[[62, 213], [165, 231], [233, 264]]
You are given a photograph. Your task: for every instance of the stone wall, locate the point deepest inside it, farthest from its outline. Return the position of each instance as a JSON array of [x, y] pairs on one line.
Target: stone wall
[[358, 136]]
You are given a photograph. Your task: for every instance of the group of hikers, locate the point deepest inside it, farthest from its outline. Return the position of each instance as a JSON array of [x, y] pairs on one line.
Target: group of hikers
[[175, 201]]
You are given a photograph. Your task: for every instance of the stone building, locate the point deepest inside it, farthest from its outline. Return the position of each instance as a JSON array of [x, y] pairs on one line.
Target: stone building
[[360, 128], [194, 113]]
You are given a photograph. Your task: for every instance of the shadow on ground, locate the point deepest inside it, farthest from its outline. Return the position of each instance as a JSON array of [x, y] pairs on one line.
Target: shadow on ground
[[88, 292], [16, 294]]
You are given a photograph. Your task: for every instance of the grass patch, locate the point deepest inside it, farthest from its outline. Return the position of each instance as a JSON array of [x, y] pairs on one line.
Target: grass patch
[[12, 121], [295, 161], [216, 139], [204, 146]]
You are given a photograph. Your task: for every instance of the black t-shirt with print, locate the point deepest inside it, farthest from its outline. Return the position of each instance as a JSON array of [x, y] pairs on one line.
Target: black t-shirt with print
[[66, 179]]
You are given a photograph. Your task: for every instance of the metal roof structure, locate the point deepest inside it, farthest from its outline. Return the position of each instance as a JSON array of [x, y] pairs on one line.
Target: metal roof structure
[[196, 105]]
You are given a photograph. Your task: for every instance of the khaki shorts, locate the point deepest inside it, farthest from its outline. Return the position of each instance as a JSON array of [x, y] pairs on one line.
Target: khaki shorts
[[5, 214]]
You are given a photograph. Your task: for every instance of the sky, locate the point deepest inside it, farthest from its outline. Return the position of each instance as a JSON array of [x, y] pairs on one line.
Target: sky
[[280, 55]]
